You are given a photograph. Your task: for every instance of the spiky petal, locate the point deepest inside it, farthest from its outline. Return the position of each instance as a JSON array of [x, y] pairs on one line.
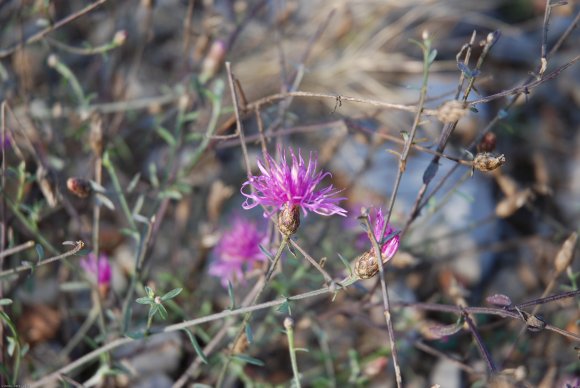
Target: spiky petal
[[282, 185]]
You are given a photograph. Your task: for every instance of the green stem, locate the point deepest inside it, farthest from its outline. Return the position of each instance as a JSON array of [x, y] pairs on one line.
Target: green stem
[[289, 325], [248, 315], [120, 193]]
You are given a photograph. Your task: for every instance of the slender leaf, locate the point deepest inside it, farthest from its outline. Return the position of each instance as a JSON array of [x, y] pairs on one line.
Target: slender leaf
[[40, 252], [231, 295], [5, 302], [248, 359], [162, 311], [171, 294], [133, 182], [145, 300], [196, 346], [249, 334], [149, 291], [166, 135], [153, 310]]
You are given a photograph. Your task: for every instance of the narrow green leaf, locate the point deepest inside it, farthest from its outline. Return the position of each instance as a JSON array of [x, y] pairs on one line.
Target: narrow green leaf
[[284, 308], [145, 300], [231, 295], [346, 264], [102, 199], [190, 116], [248, 359], [269, 255], [249, 334], [5, 302], [171, 294], [133, 182], [432, 56], [11, 345], [136, 335], [170, 193], [149, 291], [39, 252], [166, 135], [196, 346], [162, 311], [153, 310]]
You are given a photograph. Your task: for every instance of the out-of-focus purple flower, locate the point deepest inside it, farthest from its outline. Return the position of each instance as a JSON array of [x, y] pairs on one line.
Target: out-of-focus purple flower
[[282, 186], [238, 249], [389, 247], [100, 268]]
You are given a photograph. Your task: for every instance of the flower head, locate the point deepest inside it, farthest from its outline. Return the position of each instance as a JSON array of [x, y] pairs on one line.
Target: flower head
[[100, 269], [283, 186], [366, 266], [389, 247], [238, 249]]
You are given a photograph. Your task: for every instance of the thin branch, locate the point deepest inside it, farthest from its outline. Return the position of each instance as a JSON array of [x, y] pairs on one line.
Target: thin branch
[[42, 33], [78, 246]]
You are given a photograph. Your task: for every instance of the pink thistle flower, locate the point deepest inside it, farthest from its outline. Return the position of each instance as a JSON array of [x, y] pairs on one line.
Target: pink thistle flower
[[238, 249], [366, 265], [99, 270], [282, 186], [389, 247]]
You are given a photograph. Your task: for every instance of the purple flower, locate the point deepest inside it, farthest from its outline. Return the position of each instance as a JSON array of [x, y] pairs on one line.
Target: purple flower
[[389, 247], [281, 186], [100, 268], [238, 249]]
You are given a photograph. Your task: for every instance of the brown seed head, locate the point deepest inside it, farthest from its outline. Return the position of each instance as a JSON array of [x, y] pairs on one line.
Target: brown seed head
[[451, 111], [365, 267], [487, 161]]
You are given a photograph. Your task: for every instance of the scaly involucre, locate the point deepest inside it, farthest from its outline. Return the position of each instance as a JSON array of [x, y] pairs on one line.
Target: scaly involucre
[[237, 250], [294, 185], [389, 247]]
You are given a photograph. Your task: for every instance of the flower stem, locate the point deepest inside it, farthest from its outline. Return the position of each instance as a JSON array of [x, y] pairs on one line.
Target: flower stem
[[248, 315], [289, 326]]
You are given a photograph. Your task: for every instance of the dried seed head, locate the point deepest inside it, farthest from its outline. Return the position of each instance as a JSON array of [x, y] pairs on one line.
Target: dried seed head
[[487, 161], [213, 61], [365, 267], [566, 253], [79, 187], [535, 323], [451, 111], [241, 345], [289, 220], [120, 37], [511, 204], [47, 183], [487, 144]]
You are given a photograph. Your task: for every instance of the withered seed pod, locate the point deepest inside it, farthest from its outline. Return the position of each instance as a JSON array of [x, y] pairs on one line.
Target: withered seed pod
[[365, 267], [488, 162]]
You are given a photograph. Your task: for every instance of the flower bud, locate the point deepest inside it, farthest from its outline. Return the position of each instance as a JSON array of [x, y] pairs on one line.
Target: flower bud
[[487, 144], [79, 187], [289, 220]]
